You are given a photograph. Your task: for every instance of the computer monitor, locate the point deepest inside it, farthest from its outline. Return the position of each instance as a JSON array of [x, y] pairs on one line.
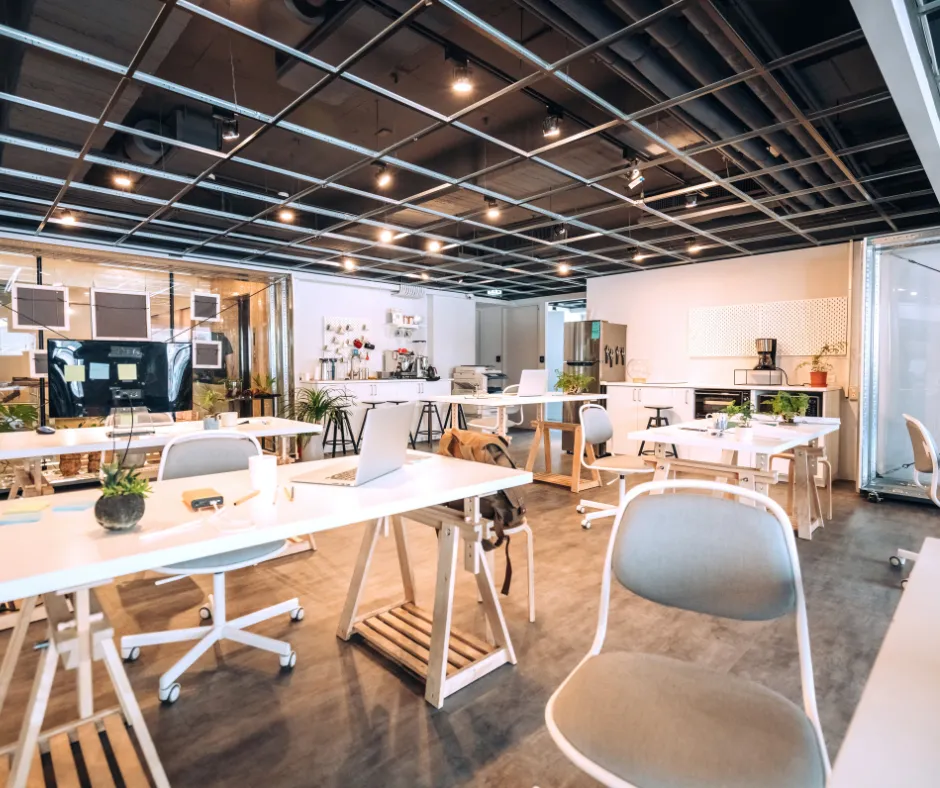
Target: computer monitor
[[533, 383], [90, 377]]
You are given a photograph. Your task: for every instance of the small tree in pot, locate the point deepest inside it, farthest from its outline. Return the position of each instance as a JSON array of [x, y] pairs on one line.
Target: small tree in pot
[[743, 414], [788, 405], [314, 406], [572, 382], [121, 504], [818, 369]]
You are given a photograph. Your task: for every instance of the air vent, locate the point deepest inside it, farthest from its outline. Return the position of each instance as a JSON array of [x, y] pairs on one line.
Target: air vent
[[409, 291]]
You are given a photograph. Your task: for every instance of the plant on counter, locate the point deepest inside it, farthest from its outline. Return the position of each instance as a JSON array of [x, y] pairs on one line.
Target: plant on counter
[[818, 368], [15, 417], [788, 405], [744, 413], [572, 382], [121, 504], [262, 385]]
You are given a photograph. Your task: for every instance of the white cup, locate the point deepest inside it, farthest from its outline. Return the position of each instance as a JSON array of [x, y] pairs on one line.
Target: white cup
[[262, 470], [228, 419]]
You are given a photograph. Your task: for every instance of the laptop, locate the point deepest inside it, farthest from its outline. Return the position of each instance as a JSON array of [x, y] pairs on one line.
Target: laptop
[[383, 450], [533, 383]]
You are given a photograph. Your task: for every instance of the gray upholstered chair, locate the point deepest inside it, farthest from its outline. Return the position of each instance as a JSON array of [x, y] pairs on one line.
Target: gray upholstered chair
[[195, 455], [631, 719], [925, 461], [596, 428]]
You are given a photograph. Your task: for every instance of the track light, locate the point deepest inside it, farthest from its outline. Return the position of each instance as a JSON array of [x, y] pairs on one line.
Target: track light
[[434, 246], [349, 264], [638, 257], [561, 232], [230, 129], [424, 275], [67, 218], [492, 208], [122, 180], [564, 269], [691, 200], [551, 126], [386, 236], [693, 248], [383, 176], [636, 177], [462, 82], [285, 215], [494, 292]]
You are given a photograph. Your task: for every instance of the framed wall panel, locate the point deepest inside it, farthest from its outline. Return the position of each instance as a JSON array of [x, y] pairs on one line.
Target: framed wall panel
[[205, 307], [38, 307], [120, 315], [38, 364], [207, 355]]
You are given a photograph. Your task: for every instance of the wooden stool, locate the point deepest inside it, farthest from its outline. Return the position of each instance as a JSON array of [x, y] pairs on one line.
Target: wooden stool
[[791, 477], [657, 421]]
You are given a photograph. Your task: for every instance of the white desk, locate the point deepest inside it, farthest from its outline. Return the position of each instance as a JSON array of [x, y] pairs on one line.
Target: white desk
[[894, 736], [768, 439]]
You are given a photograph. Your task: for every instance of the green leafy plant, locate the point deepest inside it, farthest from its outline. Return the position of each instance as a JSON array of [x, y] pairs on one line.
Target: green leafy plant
[[572, 382], [208, 400], [315, 406], [123, 481], [788, 404], [15, 417], [743, 412], [262, 384], [816, 363]]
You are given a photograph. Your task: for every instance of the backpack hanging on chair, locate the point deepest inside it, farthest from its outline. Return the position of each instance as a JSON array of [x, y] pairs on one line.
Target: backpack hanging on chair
[[506, 508]]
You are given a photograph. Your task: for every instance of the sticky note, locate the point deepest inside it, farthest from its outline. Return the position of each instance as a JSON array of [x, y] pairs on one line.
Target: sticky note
[[74, 373], [26, 517], [27, 505], [127, 372], [98, 371], [79, 506]]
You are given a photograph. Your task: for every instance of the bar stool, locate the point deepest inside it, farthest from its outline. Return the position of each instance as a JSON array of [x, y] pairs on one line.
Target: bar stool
[[657, 421], [428, 409], [461, 418], [338, 422]]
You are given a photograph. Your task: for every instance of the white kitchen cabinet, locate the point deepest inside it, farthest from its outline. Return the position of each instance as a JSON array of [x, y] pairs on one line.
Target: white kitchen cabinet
[[621, 407]]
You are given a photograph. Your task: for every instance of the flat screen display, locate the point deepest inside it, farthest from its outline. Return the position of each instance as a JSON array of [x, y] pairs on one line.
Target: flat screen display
[[89, 377]]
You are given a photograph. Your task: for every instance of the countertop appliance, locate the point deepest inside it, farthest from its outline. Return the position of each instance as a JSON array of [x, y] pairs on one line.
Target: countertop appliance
[[400, 363], [766, 353], [716, 400], [598, 349], [471, 379]]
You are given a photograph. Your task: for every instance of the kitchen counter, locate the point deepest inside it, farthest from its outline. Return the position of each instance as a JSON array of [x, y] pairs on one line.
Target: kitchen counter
[[373, 380], [721, 386]]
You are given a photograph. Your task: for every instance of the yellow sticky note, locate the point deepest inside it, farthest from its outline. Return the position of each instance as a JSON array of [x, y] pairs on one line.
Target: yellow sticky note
[[26, 505], [127, 371], [74, 373]]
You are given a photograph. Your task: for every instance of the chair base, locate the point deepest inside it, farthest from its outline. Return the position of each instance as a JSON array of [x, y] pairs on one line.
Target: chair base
[[603, 510], [221, 629]]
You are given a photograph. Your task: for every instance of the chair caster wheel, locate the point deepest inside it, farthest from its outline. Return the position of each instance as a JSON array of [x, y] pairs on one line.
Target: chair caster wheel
[[904, 583], [205, 612], [288, 662], [131, 654], [579, 509], [586, 525], [297, 614], [896, 561], [171, 694], [873, 497]]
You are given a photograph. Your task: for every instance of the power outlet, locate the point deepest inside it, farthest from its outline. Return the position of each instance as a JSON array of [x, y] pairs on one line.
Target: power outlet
[[853, 393]]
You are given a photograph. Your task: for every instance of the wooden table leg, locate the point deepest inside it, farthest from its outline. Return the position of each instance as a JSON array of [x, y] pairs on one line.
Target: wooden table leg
[[807, 512], [404, 558], [534, 448], [358, 582], [81, 600], [663, 467], [443, 613], [15, 646]]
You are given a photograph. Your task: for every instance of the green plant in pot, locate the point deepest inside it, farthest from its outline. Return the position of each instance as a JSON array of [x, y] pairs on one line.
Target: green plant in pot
[[818, 368], [788, 405], [572, 382], [121, 504], [209, 401], [741, 416], [18, 416], [314, 406]]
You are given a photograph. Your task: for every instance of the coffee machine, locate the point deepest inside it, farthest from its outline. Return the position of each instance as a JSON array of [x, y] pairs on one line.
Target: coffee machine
[[766, 353]]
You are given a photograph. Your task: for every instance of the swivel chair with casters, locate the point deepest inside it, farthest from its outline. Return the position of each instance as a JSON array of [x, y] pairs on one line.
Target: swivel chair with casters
[[196, 455], [597, 428], [487, 422], [630, 719], [925, 461]]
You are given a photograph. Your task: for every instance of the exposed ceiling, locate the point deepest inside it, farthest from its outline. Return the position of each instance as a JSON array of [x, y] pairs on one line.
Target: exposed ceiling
[[756, 127]]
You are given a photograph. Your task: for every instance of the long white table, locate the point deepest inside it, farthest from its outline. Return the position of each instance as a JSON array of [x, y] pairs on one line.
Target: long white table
[[894, 736], [767, 440]]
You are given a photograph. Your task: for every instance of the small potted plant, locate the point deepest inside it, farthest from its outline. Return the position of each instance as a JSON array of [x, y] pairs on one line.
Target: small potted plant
[[572, 382], [209, 401], [744, 431], [818, 368], [314, 406], [787, 405], [121, 504]]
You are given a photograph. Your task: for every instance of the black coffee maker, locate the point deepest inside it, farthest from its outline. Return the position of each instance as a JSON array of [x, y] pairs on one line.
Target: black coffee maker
[[766, 353]]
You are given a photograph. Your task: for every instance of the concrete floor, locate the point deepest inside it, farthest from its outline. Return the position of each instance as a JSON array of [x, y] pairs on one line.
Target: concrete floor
[[346, 717]]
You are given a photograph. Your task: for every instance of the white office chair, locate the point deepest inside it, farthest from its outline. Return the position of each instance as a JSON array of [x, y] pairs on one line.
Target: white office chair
[[925, 461], [195, 455], [487, 422], [597, 428], [632, 719]]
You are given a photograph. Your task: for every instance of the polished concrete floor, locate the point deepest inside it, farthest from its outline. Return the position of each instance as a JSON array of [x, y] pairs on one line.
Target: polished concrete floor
[[345, 717]]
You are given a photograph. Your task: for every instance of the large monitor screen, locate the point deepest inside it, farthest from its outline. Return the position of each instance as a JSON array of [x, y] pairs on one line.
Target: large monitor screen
[[89, 377]]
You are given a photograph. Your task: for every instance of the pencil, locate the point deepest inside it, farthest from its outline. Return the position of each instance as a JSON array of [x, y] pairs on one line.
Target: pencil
[[246, 498]]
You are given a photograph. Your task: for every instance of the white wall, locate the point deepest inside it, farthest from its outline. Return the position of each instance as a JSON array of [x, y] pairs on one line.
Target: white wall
[[655, 307], [452, 331]]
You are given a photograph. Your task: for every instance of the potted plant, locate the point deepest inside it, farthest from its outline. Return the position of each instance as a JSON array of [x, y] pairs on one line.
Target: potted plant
[[121, 504], [788, 405], [818, 369], [18, 416], [314, 406], [209, 401], [572, 382], [744, 412]]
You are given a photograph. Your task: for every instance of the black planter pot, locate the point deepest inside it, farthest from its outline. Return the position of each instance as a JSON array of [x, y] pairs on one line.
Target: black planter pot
[[119, 512]]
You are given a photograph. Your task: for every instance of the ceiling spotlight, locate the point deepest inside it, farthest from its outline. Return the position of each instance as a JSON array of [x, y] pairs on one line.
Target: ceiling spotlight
[[122, 180], [285, 215], [349, 264], [636, 177], [386, 236], [492, 208], [693, 248], [383, 177], [551, 126], [494, 292], [424, 275], [230, 129], [462, 83], [638, 257], [561, 232], [691, 200], [564, 269], [285, 195], [434, 246], [67, 218]]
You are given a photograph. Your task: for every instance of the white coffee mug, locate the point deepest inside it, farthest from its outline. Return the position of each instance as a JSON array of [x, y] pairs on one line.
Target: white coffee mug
[[228, 419]]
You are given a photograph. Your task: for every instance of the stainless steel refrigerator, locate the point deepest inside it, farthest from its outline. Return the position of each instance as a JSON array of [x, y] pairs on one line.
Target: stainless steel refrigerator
[[598, 349]]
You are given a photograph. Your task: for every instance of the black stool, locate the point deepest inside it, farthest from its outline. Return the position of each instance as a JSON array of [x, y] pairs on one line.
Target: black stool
[[372, 404], [339, 422], [461, 418], [657, 421], [427, 410]]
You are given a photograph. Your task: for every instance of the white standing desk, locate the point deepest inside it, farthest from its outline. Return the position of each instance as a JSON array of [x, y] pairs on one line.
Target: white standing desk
[[768, 439], [894, 736]]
